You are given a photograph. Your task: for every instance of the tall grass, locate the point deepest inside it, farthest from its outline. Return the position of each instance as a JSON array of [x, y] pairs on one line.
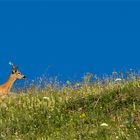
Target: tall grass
[[103, 109]]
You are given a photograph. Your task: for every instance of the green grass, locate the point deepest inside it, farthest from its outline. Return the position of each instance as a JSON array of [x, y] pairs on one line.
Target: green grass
[[73, 113]]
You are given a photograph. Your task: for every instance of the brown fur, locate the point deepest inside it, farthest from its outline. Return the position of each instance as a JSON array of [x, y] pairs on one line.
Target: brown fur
[[6, 87]]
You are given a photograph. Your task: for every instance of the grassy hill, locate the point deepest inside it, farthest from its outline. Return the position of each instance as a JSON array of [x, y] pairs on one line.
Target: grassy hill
[[99, 111]]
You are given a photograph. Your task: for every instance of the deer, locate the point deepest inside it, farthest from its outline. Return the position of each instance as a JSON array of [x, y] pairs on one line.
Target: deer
[[14, 76]]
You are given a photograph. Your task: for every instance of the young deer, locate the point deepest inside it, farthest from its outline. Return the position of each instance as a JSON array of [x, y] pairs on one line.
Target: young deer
[[6, 87]]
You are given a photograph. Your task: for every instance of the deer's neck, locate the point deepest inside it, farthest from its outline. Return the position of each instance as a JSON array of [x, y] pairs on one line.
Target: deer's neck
[[8, 85]]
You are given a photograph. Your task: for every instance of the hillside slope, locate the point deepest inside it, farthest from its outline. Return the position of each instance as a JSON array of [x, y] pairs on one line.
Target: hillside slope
[[106, 111]]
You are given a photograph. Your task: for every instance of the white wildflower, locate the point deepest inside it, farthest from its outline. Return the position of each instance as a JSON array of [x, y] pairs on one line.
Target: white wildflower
[[118, 79], [46, 98], [68, 82], [104, 124]]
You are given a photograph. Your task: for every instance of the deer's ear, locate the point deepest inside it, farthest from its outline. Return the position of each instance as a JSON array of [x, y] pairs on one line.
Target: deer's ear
[[12, 65]]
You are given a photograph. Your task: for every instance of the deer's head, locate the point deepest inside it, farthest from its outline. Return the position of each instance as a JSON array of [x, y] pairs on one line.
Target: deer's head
[[16, 74]]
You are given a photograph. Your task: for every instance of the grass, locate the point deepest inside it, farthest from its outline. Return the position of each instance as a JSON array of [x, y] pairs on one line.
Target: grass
[[98, 111]]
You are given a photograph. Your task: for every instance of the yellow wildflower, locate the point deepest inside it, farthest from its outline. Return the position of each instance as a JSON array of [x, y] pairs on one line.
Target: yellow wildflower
[[83, 115]]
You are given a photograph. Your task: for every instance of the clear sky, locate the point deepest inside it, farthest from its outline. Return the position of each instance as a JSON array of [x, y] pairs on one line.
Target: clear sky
[[69, 38]]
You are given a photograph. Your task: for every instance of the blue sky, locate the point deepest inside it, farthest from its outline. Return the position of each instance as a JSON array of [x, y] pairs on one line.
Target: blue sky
[[69, 38]]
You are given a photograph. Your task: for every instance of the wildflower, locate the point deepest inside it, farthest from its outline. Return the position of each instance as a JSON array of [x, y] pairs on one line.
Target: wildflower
[[46, 98], [77, 84], [83, 115], [80, 109], [114, 73], [118, 79], [49, 116], [71, 119], [104, 124], [68, 82]]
